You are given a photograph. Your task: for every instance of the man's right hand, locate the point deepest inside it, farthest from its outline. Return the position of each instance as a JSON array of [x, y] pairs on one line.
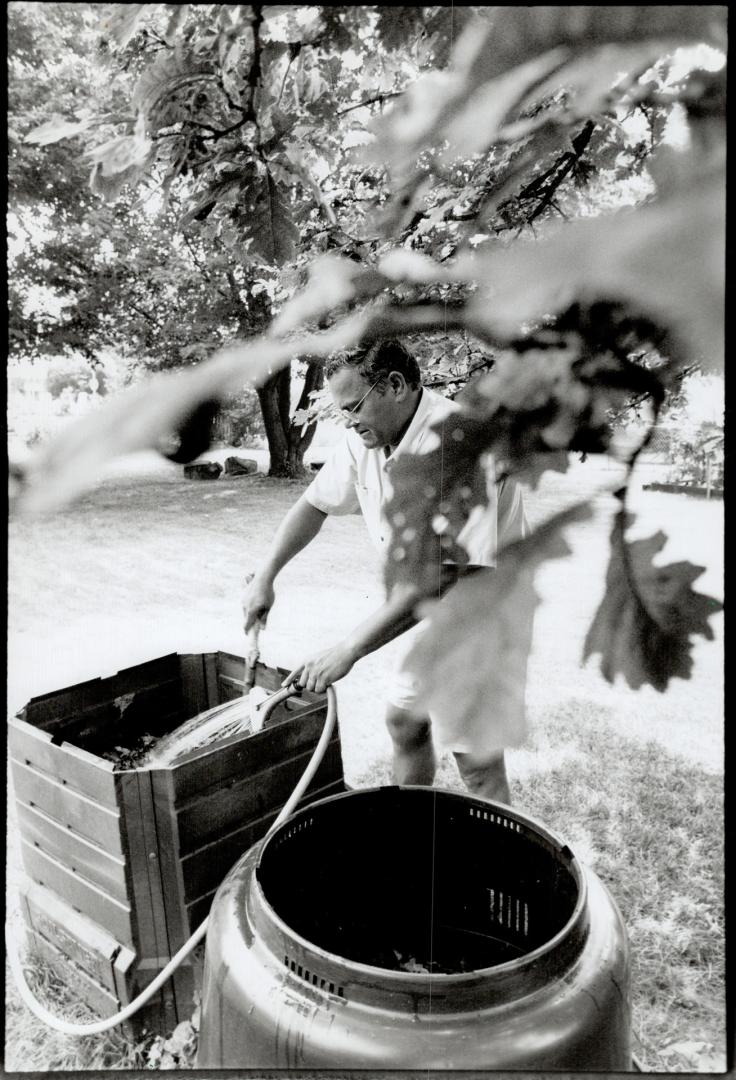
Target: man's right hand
[[258, 598]]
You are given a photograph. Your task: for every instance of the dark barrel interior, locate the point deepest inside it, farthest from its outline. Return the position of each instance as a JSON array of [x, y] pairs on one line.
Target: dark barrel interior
[[414, 879]]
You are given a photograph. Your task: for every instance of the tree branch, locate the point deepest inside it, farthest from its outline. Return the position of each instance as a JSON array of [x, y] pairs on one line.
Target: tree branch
[[233, 104], [195, 258], [143, 312], [637, 401], [464, 375], [294, 50], [371, 101], [558, 172]]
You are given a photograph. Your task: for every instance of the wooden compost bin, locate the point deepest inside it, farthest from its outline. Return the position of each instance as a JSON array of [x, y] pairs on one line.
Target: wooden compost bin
[[122, 864]]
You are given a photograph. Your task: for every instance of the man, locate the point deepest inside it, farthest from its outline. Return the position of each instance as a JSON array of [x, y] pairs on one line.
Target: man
[[388, 413]]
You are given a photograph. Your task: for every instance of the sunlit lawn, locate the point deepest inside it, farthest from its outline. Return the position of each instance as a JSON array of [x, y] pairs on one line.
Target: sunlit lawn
[[151, 563]]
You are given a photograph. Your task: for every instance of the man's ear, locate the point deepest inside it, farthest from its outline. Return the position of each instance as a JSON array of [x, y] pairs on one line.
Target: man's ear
[[398, 384]]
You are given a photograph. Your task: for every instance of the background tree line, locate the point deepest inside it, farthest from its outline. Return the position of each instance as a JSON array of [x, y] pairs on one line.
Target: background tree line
[[189, 161]]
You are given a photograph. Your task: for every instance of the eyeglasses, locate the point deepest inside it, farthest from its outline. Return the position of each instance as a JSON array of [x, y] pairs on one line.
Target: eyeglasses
[[350, 414]]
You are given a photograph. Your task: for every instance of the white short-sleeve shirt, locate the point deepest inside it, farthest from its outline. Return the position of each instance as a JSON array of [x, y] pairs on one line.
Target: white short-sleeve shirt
[[355, 479]]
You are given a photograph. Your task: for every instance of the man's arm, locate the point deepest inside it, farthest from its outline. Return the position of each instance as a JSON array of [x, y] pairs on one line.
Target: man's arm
[[297, 529], [393, 617]]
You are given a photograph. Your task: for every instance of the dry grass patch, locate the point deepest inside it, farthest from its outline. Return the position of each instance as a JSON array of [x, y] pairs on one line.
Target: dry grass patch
[[651, 825], [32, 1047]]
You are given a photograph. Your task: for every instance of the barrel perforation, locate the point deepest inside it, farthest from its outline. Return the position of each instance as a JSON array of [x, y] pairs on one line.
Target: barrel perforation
[[313, 978], [495, 819]]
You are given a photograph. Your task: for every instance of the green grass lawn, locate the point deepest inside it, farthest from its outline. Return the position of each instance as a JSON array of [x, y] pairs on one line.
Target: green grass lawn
[[150, 563]]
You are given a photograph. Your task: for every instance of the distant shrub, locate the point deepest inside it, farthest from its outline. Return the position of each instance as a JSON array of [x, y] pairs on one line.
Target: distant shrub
[[77, 374]]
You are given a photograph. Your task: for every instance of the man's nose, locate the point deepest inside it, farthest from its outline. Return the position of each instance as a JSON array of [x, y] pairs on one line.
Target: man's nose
[[350, 420]]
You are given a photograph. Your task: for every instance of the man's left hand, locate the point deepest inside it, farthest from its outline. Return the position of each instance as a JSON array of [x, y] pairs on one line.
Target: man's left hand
[[323, 670]]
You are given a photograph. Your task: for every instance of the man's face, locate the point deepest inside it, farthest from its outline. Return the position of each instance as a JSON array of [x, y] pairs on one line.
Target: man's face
[[380, 412]]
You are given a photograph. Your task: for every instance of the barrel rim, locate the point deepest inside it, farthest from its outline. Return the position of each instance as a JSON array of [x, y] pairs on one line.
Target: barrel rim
[[414, 981]]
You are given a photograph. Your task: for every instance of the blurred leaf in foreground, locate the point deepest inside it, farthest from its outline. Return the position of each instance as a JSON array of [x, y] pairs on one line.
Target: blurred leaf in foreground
[[528, 412], [159, 414], [552, 399], [507, 58], [643, 626], [666, 260], [55, 129], [471, 662], [433, 495]]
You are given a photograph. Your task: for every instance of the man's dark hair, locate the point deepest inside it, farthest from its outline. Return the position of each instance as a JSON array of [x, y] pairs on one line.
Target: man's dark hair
[[375, 360]]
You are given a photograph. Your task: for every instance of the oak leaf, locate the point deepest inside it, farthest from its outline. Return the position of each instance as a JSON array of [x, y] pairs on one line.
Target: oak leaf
[[271, 225], [644, 623], [470, 664], [546, 401]]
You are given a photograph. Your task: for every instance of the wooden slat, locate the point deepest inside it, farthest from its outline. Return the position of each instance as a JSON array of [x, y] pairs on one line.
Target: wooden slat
[[94, 692], [124, 971], [216, 766], [101, 1000], [232, 666], [87, 818], [152, 709], [92, 861], [167, 839], [111, 914], [47, 709], [205, 868], [75, 935], [156, 955], [229, 689], [83, 771], [152, 846], [219, 812], [194, 691], [141, 869], [161, 669], [210, 679], [198, 906]]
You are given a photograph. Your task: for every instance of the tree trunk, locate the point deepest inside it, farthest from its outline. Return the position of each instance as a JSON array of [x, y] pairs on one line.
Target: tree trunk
[[286, 443], [271, 396]]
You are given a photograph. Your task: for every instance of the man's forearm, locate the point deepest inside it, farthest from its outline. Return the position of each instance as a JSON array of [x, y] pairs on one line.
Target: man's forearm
[[393, 617], [297, 529], [397, 614]]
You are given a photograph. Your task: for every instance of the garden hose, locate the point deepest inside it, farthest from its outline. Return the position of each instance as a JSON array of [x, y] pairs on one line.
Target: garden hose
[[96, 1028]]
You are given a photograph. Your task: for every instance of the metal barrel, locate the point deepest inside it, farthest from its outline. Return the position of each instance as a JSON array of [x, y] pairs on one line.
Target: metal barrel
[[414, 928]]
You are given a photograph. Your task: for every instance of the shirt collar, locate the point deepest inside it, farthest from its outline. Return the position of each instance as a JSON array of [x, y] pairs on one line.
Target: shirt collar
[[417, 427]]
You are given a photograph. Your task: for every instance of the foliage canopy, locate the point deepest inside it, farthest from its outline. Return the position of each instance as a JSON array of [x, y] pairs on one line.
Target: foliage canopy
[[487, 214]]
